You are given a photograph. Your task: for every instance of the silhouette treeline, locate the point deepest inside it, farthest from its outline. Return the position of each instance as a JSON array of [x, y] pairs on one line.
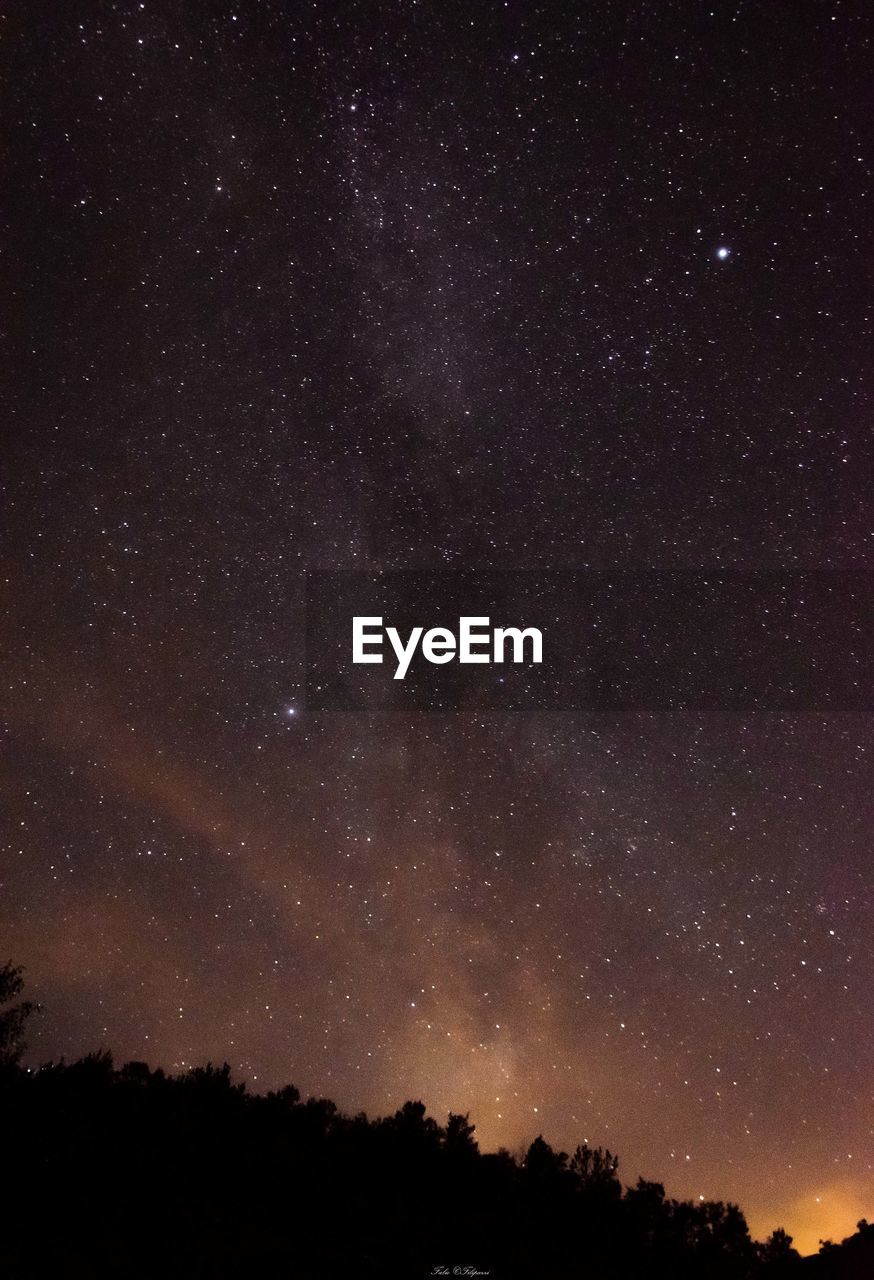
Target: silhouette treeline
[[131, 1172]]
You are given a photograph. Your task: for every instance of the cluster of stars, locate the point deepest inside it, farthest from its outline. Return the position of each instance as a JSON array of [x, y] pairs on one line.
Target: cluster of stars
[[300, 294]]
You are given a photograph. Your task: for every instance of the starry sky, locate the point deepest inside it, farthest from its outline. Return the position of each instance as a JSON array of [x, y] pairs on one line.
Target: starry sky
[[412, 286]]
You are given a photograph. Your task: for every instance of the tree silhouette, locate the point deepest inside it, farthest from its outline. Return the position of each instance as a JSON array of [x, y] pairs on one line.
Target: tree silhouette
[[13, 1019], [133, 1172], [777, 1255]]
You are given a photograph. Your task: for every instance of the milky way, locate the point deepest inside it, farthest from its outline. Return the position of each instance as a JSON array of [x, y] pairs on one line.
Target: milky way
[[436, 287]]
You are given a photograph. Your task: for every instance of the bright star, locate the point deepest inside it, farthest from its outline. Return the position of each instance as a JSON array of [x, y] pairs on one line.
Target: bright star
[[723, 252]]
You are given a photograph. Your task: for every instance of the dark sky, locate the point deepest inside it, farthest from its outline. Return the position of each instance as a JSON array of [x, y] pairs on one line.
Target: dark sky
[[438, 286]]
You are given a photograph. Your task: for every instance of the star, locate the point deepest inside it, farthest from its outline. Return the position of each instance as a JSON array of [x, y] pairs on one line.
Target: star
[[418, 339]]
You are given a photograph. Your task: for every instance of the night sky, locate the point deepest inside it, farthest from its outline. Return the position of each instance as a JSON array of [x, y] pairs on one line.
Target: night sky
[[298, 286]]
